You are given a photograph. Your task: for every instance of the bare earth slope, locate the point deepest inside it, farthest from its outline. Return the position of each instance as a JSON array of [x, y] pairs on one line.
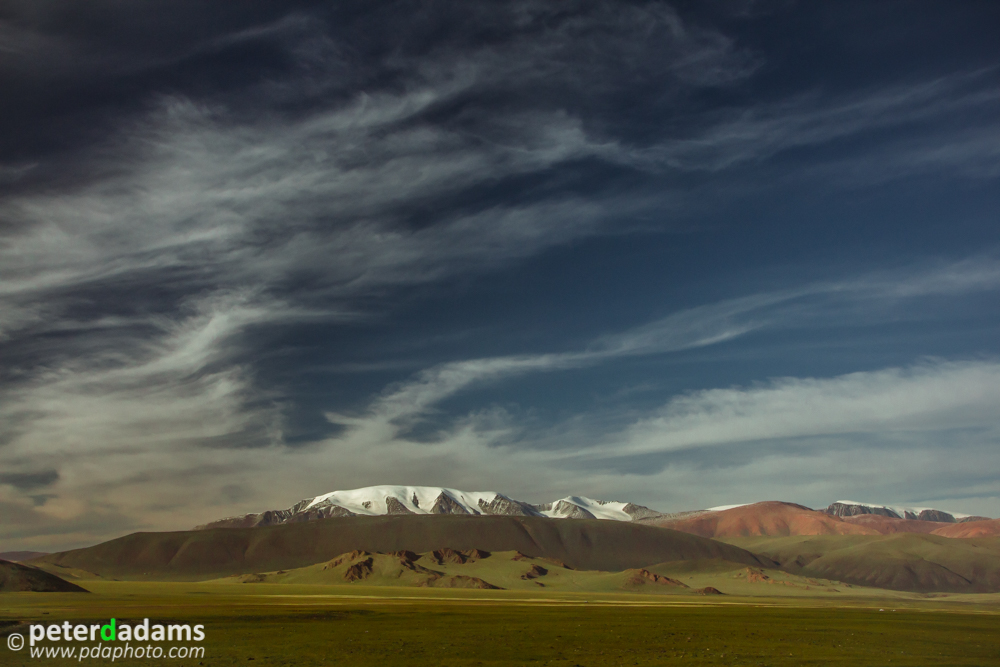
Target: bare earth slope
[[987, 528], [15, 577], [904, 561], [584, 544], [770, 518], [887, 525]]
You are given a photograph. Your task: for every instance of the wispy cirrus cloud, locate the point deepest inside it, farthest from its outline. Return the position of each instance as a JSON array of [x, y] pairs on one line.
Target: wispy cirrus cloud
[[934, 396], [122, 405], [863, 301]]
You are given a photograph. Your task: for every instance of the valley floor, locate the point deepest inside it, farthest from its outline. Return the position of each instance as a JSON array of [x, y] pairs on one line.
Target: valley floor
[[303, 625]]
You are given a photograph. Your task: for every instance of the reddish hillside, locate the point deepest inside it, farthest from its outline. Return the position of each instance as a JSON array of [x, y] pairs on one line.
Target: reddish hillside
[[889, 525], [987, 528], [770, 518]]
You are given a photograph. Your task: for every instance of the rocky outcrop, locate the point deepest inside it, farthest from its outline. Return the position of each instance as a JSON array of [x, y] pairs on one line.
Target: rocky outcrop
[[359, 571], [445, 504], [346, 558], [401, 566], [841, 509], [463, 581], [276, 517], [504, 506], [393, 506], [446, 555], [566, 510], [638, 512], [848, 509], [643, 577]]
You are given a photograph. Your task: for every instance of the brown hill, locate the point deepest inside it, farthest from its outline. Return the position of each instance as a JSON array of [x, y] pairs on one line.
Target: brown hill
[[584, 544], [889, 525], [885, 525], [903, 561], [15, 577], [985, 528], [770, 518]]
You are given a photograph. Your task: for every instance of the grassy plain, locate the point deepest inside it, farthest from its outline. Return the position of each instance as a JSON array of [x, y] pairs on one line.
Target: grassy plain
[[304, 625]]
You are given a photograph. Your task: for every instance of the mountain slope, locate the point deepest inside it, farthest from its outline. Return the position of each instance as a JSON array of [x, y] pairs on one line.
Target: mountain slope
[[15, 577], [389, 500], [887, 525], [965, 529], [584, 544], [780, 519], [904, 561], [767, 518]]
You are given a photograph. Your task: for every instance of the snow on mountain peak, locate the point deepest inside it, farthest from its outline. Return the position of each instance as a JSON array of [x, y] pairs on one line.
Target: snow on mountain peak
[[378, 500], [382, 500], [581, 507], [853, 507]]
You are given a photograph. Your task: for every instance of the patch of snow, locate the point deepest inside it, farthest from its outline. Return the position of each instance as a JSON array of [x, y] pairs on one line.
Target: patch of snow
[[371, 500]]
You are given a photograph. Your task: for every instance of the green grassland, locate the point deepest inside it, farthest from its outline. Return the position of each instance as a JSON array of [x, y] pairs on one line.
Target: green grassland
[[513, 571], [310, 624], [508, 570], [587, 595]]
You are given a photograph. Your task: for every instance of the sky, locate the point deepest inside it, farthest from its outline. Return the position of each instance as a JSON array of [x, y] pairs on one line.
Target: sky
[[680, 254]]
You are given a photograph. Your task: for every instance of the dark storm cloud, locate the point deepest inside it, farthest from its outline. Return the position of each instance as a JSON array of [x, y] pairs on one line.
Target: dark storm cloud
[[204, 205]]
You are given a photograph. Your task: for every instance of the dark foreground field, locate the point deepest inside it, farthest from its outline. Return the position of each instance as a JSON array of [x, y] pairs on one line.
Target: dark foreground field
[[297, 626]]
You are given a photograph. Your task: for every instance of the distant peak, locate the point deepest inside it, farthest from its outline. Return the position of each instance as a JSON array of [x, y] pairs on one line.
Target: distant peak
[[847, 508]]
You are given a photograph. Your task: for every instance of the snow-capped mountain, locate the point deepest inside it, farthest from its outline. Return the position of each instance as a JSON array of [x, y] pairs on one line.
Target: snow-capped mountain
[[382, 500], [854, 508]]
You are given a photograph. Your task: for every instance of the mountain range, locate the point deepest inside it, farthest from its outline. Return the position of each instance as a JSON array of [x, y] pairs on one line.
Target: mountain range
[[401, 500], [377, 534], [845, 508], [780, 518]]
